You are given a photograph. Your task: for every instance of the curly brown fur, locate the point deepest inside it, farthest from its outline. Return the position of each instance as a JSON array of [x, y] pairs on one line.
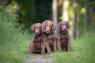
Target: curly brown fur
[[64, 35], [48, 28], [35, 45]]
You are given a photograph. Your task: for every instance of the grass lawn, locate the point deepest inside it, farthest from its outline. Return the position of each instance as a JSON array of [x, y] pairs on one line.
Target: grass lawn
[[13, 52], [83, 51]]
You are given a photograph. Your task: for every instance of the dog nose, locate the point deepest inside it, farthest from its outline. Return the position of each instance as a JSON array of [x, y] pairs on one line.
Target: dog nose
[[47, 31], [36, 33]]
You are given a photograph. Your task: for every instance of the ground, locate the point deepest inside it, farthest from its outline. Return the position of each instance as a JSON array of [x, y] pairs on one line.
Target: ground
[[36, 58], [83, 51]]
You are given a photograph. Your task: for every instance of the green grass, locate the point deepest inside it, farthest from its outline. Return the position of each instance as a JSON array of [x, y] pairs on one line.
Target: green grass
[[14, 52], [83, 51]]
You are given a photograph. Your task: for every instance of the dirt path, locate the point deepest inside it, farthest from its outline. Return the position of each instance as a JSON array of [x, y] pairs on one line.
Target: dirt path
[[39, 59]]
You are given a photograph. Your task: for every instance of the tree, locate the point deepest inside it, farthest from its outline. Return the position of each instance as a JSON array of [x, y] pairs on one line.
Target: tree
[[54, 13], [74, 31], [90, 13], [65, 15]]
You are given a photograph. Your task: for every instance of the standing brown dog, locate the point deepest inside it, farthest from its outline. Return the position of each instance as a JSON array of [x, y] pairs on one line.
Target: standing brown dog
[[49, 39], [64, 35], [35, 45]]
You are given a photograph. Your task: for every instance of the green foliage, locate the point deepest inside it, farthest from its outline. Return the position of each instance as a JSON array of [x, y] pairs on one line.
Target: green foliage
[[83, 51], [13, 41], [12, 8]]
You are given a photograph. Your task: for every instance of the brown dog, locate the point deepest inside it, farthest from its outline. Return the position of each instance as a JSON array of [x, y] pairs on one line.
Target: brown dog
[[49, 39], [64, 35], [35, 45]]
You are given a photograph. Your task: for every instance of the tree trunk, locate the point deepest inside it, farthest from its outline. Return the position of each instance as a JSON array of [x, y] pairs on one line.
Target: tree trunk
[[60, 9], [65, 10], [54, 13], [75, 19]]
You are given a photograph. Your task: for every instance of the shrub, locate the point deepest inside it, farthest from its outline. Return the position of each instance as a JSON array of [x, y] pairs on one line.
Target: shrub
[[13, 40]]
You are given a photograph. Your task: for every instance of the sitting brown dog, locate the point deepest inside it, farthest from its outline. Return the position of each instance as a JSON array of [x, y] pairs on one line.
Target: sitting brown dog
[[36, 43], [49, 39], [64, 35]]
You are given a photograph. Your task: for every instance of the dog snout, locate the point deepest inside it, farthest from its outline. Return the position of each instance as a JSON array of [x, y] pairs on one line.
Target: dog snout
[[47, 29], [64, 28], [48, 32], [37, 31]]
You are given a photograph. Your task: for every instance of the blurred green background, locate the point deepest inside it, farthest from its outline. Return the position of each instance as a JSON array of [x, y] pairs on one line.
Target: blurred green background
[[17, 16]]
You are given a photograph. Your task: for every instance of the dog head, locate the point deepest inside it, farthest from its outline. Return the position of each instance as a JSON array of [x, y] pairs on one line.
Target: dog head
[[36, 28], [64, 26], [48, 26]]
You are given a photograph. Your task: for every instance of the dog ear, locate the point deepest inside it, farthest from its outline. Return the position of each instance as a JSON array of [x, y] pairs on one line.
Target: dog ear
[[53, 27], [59, 25], [44, 26], [33, 27]]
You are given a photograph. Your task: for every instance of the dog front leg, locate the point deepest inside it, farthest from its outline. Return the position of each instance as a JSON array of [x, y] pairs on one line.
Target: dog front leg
[[58, 44], [47, 47], [43, 48], [55, 45]]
